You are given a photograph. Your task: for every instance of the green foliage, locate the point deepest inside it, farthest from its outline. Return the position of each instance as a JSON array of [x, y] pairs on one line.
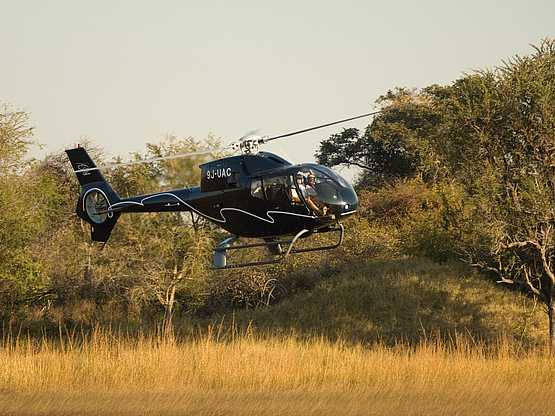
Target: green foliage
[[15, 138], [381, 159], [25, 205], [496, 141], [50, 265], [390, 147], [449, 172], [485, 145], [411, 218]]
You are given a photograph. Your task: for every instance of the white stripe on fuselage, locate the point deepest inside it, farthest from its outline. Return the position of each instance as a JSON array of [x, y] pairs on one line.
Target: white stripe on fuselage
[[271, 219]]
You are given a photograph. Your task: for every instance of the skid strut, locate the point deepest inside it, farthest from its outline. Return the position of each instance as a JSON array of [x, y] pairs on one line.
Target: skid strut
[[220, 251]]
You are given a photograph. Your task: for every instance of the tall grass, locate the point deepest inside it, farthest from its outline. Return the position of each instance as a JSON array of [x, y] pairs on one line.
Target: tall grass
[[232, 373]]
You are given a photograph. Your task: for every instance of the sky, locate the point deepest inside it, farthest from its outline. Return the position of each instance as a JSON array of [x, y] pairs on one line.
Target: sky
[[125, 73]]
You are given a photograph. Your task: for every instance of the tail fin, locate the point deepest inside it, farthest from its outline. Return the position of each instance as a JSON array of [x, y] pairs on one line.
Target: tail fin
[[84, 167], [97, 196]]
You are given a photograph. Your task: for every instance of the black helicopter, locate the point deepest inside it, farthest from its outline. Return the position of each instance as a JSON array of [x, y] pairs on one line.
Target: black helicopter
[[256, 195]]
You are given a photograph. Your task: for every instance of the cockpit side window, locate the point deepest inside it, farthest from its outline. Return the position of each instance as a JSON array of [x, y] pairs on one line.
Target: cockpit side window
[[233, 180], [278, 189], [275, 188], [257, 190]]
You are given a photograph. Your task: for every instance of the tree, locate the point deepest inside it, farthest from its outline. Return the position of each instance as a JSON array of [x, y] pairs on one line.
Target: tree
[[151, 259], [23, 202], [15, 138], [388, 148], [168, 250], [496, 141]]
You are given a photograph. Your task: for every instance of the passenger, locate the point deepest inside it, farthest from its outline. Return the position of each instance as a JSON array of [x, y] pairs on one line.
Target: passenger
[[299, 178]]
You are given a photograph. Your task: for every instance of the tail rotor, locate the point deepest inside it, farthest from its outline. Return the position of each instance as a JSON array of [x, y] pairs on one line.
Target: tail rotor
[[97, 196]]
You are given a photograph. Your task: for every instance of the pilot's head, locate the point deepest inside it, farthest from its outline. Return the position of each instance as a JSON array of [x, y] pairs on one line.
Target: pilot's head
[[311, 179]]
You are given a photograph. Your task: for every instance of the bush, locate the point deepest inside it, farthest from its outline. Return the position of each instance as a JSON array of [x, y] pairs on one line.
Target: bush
[[410, 218]]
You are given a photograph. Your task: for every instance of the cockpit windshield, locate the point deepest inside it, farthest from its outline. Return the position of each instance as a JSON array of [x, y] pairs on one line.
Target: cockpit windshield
[[320, 189], [312, 187], [330, 173]]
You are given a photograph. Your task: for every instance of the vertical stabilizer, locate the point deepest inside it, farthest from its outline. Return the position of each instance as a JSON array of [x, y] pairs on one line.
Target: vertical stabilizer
[[97, 196]]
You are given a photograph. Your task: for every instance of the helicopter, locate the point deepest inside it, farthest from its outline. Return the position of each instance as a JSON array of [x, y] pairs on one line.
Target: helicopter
[[255, 194]]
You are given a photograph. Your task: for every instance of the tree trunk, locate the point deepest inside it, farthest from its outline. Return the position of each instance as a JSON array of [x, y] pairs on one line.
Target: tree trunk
[[168, 311], [551, 314], [168, 314]]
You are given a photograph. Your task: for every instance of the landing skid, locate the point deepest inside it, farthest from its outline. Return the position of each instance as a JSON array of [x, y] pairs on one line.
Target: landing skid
[[220, 251]]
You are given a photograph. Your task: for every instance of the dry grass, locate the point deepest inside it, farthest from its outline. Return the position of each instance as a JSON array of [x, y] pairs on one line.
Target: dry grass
[[246, 374]]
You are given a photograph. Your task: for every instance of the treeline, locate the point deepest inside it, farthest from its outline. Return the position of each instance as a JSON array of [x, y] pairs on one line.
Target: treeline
[[154, 266], [467, 171], [457, 172]]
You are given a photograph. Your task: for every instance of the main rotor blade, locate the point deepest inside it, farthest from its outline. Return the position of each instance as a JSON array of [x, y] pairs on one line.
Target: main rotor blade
[[153, 159], [320, 126], [250, 133]]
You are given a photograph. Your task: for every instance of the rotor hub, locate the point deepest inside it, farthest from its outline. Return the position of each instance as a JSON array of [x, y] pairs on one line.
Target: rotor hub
[[249, 145]]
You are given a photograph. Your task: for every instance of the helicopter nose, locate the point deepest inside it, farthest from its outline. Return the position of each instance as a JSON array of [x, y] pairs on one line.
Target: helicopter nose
[[349, 209], [349, 203]]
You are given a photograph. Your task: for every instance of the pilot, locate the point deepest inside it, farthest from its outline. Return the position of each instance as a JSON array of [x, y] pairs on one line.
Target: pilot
[[311, 184], [310, 195]]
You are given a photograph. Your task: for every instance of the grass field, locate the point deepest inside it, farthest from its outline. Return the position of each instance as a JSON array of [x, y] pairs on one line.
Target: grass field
[[248, 374], [468, 348]]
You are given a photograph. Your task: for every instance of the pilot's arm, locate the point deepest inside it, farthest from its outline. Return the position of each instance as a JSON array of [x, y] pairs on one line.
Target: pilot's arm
[[309, 197], [313, 207]]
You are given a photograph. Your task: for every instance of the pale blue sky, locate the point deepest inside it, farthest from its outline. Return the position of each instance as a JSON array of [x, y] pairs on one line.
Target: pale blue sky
[[127, 72]]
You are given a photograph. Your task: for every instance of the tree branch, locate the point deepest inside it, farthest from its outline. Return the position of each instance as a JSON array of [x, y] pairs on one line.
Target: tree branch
[[360, 165], [530, 285]]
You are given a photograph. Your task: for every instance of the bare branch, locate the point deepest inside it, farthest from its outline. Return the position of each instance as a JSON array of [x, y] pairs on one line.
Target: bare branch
[[543, 251], [360, 165], [519, 244], [529, 283], [505, 280], [486, 267]]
